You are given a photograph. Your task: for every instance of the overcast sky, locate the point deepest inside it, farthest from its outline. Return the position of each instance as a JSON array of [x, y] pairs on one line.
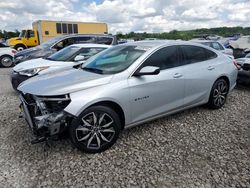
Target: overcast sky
[[129, 15]]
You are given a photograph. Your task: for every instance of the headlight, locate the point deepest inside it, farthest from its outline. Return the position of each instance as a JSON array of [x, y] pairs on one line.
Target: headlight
[[32, 72], [19, 57]]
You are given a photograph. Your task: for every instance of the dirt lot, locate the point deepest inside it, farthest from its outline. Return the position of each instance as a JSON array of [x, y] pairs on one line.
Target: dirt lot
[[195, 148]]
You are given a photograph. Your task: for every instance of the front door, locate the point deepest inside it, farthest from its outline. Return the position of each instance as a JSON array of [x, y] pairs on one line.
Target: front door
[[152, 95]]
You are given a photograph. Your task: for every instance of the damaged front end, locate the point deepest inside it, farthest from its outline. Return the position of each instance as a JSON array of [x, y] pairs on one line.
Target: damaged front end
[[45, 115]]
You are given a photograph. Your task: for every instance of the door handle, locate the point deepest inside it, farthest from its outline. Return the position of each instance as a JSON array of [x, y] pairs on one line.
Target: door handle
[[177, 75], [210, 68]]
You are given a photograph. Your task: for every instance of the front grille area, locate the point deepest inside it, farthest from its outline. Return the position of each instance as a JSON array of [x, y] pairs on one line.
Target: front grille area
[[56, 106], [53, 104]]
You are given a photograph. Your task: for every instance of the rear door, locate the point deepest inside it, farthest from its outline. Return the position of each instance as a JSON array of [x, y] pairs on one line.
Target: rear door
[[156, 94], [200, 71]]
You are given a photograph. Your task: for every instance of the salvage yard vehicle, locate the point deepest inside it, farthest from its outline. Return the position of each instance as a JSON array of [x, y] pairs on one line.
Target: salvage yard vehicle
[[244, 72], [124, 86], [61, 42], [215, 45], [241, 46], [6, 55], [71, 56], [44, 30]]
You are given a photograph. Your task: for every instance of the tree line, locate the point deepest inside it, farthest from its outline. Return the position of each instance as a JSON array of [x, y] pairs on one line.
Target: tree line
[[8, 34], [189, 34]]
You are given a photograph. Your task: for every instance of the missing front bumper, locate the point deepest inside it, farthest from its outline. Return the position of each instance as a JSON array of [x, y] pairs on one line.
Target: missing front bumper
[[44, 125]]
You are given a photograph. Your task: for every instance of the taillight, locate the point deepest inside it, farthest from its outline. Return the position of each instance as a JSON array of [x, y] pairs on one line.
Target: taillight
[[236, 65], [13, 51]]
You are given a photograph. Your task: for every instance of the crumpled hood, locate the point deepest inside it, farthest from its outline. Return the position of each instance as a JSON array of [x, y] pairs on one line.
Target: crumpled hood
[[64, 82], [33, 63]]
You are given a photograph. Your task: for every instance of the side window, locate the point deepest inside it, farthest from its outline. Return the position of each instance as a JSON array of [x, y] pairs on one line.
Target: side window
[[63, 43], [88, 52], [217, 46], [75, 28], [30, 33], [64, 28], [193, 54], [84, 39], [210, 54], [70, 29], [58, 28], [104, 40], [164, 58], [68, 42]]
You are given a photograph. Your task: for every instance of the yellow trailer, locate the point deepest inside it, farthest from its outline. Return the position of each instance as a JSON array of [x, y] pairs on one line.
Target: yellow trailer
[[43, 30]]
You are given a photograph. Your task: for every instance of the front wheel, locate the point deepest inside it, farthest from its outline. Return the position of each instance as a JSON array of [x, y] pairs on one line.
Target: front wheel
[[95, 130], [218, 94], [6, 61], [20, 47]]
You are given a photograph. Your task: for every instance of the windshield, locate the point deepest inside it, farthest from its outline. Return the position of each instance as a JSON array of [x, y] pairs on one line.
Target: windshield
[[51, 41], [114, 60], [64, 54], [22, 34]]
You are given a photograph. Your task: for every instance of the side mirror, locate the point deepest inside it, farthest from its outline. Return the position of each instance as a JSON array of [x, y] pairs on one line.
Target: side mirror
[[148, 70], [79, 58]]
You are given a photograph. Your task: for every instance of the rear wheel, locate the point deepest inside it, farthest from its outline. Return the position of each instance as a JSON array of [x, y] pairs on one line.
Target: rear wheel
[[6, 61], [20, 47], [96, 129], [218, 94]]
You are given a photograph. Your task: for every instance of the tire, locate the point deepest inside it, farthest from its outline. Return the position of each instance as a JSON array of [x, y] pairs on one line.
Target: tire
[[95, 130], [218, 94], [20, 47], [6, 61]]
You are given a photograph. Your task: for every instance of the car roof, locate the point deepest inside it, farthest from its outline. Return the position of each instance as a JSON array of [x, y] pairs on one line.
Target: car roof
[[85, 35], [158, 43], [90, 45], [197, 40]]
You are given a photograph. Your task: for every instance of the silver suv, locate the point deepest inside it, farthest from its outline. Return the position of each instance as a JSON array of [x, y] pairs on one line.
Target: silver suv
[[123, 86]]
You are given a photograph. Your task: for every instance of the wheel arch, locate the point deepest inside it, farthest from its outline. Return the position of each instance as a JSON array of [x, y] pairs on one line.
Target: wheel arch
[[4, 55], [108, 103], [225, 78], [20, 44]]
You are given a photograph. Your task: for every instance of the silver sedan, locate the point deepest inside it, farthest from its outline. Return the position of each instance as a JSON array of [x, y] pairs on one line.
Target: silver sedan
[[124, 86]]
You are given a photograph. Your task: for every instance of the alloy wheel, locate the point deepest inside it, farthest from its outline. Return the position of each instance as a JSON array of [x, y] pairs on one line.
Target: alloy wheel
[[6, 61], [220, 93], [95, 130]]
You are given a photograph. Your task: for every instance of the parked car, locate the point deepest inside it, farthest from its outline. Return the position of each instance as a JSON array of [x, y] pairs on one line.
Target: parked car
[[241, 60], [58, 43], [244, 72], [6, 55], [241, 46], [68, 57], [216, 45], [123, 86]]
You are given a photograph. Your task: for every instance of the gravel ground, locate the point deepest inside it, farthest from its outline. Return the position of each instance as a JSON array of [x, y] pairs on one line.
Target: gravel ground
[[194, 148]]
